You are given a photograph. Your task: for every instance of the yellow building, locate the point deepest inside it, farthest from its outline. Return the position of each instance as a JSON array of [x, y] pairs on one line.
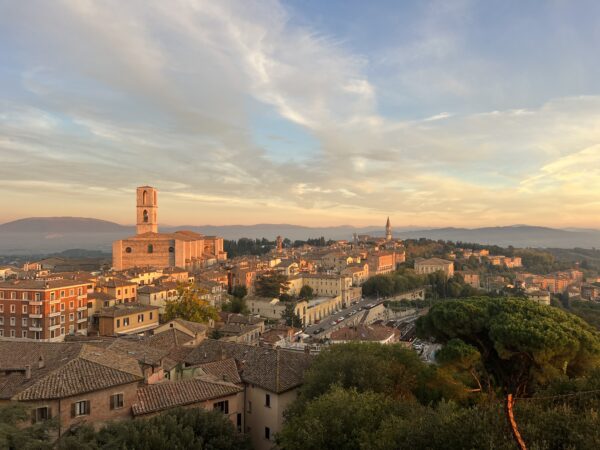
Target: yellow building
[[432, 265], [130, 318]]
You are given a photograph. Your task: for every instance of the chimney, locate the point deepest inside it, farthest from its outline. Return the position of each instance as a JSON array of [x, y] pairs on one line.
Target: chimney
[[28, 372], [41, 363]]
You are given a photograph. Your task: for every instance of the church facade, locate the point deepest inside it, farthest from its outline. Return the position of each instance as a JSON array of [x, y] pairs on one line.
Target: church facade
[[149, 248]]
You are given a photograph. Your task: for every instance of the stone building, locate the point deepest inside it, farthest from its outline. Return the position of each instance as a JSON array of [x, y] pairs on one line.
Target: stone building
[[185, 249]]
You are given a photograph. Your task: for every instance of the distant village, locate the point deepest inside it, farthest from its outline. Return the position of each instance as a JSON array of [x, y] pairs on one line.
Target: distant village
[[86, 343]]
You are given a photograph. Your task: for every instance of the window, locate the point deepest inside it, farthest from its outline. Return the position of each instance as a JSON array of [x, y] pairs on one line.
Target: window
[[171, 250], [1, 332], [71, 317], [71, 292], [145, 214], [71, 305], [127, 249], [1, 320], [118, 291], [62, 294], [62, 306], [13, 309], [140, 318], [62, 331], [249, 406], [13, 295], [52, 295], [38, 296], [81, 408], [24, 321], [116, 401], [12, 321], [62, 319], [126, 322], [151, 315], [267, 400], [118, 323], [25, 296], [239, 422], [267, 433], [24, 309], [12, 333], [150, 248], [222, 406], [24, 333], [41, 414], [79, 291], [1, 294]]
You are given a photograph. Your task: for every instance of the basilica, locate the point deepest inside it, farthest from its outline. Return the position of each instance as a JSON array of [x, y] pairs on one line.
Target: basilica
[[149, 248]]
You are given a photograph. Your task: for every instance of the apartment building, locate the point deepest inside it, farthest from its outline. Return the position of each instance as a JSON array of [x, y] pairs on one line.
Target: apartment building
[[43, 310]]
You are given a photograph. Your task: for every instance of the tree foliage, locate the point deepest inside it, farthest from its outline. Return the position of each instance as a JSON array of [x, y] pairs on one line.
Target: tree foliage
[[271, 284], [177, 429], [387, 369], [292, 319], [520, 342], [306, 292], [189, 306], [17, 434]]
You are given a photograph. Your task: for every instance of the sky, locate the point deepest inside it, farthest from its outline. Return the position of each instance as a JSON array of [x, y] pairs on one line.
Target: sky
[[436, 113]]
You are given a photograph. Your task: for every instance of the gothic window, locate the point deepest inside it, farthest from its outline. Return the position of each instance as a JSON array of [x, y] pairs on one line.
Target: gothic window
[[145, 216], [144, 195], [150, 248]]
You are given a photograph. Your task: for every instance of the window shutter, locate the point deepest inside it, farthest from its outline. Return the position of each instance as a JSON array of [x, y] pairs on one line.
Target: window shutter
[[89, 406], [112, 402], [49, 413], [72, 409], [33, 415]]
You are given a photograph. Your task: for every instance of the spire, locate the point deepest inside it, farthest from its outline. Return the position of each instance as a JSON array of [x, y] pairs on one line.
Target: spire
[[388, 230]]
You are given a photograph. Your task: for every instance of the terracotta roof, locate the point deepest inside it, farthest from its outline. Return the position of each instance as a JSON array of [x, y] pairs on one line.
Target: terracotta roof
[[158, 397], [438, 261], [40, 284], [178, 235], [225, 369], [363, 333], [124, 309], [67, 369], [140, 350], [168, 339], [274, 370]]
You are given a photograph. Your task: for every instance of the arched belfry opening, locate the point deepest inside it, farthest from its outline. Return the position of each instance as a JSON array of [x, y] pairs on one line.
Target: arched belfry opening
[[147, 210]]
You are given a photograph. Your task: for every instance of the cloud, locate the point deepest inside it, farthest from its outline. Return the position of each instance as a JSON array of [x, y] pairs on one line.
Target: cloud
[[116, 94]]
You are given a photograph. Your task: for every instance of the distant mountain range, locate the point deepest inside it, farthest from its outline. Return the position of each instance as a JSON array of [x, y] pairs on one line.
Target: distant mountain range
[[37, 235]]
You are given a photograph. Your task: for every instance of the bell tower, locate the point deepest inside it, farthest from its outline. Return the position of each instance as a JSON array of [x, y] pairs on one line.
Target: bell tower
[[388, 230], [147, 207]]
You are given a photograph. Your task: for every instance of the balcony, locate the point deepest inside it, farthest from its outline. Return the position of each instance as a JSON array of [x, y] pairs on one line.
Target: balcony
[[81, 320], [54, 314], [82, 297], [54, 327], [36, 302], [82, 308], [36, 315], [56, 300], [36, 328]]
